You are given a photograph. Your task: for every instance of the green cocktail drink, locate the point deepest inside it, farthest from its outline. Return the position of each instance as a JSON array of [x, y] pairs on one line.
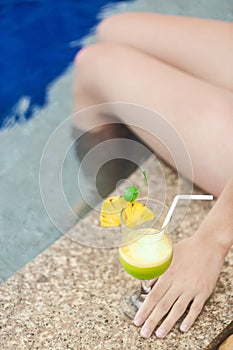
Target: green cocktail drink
[[147, 256], [146, 250]]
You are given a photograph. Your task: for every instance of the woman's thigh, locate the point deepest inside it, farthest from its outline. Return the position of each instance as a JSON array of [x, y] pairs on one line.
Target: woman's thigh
[[198, 46], [199, 111]]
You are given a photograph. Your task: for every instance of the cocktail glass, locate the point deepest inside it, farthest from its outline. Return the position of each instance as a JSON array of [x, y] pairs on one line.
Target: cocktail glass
[[145, 252]]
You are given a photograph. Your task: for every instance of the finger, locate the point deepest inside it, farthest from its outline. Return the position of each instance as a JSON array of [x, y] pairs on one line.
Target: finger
[[157, 292], [194, 311], [153, 282], [161, 309], [176, 312]]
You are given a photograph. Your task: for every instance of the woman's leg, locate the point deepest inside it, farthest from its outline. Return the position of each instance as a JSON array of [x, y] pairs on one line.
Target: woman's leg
[[200, 47], [201, 112]]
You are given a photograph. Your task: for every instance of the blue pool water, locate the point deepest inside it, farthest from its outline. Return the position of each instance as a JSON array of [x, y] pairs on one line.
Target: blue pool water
[[38, 40]]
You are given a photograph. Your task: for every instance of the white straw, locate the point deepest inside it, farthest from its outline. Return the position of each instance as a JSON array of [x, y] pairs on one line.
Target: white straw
[[186, 197]]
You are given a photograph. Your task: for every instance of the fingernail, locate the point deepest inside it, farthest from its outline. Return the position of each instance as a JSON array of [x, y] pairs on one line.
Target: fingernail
[[138, 321], [184, 327], [145, 332], [160, 333]]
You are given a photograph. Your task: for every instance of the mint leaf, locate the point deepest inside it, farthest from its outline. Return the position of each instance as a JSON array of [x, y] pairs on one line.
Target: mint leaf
[[130, 193]]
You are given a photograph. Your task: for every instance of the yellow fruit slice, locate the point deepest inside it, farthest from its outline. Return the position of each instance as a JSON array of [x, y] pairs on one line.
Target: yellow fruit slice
[[134, 214], [111, 211]]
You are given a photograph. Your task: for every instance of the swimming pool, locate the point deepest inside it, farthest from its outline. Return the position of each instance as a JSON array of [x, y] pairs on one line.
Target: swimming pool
[[36, 78], [38, 42]]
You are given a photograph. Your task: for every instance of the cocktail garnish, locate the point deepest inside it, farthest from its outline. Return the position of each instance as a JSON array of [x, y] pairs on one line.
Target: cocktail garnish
[[131, 192], [110, 215], [135, 213]]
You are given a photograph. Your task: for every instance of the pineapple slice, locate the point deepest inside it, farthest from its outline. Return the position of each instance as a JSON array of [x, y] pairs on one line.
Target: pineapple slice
[[111, 211], [134, 214]]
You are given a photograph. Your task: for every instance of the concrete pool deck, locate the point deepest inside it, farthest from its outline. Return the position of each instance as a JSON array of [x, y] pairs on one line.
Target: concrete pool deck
[[69, 298]]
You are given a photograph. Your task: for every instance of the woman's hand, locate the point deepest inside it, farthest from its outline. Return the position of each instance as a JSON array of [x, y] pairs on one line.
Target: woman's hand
[[191, 278]]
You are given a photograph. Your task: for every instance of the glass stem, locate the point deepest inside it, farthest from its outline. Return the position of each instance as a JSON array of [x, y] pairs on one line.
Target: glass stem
[[138, 298], [145, 288]]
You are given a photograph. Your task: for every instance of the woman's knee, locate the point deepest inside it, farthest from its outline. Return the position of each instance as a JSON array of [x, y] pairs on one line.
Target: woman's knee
[[86, 61], [85, 56], [93, 64], [108, 30]]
